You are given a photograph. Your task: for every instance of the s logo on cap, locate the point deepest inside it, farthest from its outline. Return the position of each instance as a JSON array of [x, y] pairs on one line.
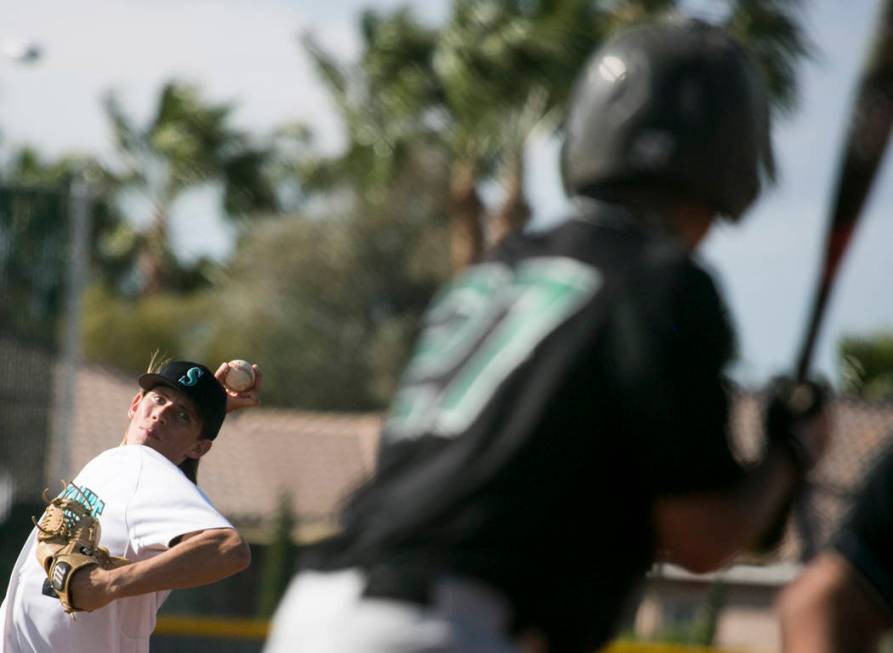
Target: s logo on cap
[[191, 377]]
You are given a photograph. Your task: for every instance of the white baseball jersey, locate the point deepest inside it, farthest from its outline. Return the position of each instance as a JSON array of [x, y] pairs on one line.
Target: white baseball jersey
[[143, 502]]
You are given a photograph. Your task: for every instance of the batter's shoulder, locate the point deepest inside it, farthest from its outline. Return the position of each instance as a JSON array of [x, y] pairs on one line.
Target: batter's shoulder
[[670, 270], [677, 297]]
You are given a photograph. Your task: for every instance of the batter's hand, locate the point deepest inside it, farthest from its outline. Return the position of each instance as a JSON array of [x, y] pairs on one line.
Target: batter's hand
[[247, 399], [797, 416]]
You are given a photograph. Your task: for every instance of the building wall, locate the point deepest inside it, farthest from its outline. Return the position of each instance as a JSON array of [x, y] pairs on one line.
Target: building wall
[[749, 619], [746, 619]]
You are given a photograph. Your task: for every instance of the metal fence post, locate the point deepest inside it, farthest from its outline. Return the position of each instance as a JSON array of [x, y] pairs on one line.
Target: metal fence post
[[80, 201]]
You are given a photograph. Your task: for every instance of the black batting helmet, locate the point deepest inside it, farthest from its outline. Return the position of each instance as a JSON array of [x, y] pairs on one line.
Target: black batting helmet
[[675, 109]]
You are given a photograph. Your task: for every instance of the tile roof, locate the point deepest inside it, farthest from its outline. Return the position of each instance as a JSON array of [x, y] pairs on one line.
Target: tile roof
[[314, 458], [317, 457]]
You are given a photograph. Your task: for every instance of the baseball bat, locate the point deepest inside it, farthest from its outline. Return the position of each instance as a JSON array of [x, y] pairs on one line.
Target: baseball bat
[[870, 119]]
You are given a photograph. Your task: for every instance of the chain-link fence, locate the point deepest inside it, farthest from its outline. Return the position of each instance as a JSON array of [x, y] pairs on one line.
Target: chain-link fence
[[861, 430], [34, 266], [34, 262]]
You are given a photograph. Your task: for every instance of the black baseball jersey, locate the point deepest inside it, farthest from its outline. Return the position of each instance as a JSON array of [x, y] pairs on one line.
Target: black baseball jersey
[[866, 537], [556, 389]]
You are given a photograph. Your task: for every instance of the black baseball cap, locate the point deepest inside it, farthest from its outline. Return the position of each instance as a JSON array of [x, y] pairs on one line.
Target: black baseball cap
[[196, 382]]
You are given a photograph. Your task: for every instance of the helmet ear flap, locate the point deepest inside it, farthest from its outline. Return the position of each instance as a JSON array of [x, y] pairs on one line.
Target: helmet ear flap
[[675, 111]]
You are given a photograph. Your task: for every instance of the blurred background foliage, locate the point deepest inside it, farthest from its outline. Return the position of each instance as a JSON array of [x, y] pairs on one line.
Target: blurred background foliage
[[336, 256]]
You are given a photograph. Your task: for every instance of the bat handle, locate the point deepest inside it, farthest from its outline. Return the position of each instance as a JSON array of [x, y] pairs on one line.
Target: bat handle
[[815, 322], [771, 538]]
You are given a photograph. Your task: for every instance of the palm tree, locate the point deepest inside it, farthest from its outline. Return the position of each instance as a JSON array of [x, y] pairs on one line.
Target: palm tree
[[520, 58], [383, 102], [866, 366], [187, 144], [506, 66], [495, 73]]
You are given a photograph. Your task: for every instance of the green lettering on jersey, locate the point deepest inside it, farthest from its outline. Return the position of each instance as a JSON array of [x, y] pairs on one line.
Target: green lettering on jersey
[[457, 318], [86, 497], [481, 328]]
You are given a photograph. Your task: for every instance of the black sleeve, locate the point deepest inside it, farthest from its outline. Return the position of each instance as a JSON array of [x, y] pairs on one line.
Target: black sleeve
[[669, 341], [866, 537]]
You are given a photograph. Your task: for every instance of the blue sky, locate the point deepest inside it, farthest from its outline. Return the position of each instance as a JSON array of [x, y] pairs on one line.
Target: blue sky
[[248, 53]]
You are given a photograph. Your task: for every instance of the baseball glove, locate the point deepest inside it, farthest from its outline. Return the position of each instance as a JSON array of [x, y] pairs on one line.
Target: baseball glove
[[67, 542]]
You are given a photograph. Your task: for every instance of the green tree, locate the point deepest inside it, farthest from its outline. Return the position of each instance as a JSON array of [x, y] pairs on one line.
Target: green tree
[[122, 332], [866, 365], [505, 67], [188, 144], [497, 71], [328, 301], [329, 307], [112, 241]]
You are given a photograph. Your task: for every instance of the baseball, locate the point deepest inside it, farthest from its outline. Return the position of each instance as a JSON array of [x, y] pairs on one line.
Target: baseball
[[240, 376]]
